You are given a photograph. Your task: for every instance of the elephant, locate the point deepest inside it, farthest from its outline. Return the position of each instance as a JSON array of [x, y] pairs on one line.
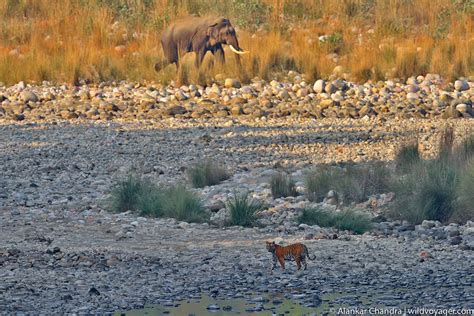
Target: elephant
[[199, 35]]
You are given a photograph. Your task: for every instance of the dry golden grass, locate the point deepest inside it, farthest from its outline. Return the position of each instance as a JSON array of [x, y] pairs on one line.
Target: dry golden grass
[[97, 40]]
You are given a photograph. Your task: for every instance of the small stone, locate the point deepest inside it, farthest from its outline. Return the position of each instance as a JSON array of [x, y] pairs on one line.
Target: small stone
[[456, 240], [28, 96], [318, 86], [412, 96], [213, 307], [463, 108], [93, 291], [428, 224], [176, 110], [283, 94], [232, 83], [330, 88], [461, 85]]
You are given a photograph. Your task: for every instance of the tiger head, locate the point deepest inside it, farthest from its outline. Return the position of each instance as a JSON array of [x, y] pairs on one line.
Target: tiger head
[[270, 246]]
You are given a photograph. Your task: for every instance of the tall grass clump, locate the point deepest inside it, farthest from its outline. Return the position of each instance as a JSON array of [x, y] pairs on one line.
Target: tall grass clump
[[127, 192], [352, 183], [206, 174], [441, 188], [407, 156], [244, 211], [146, 198], [465, 202], [183, 205], [320, 181], [347, 219], [282, 185], [428, 191]]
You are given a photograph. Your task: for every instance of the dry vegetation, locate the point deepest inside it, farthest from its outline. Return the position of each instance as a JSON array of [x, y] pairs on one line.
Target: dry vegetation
[[95, 40]]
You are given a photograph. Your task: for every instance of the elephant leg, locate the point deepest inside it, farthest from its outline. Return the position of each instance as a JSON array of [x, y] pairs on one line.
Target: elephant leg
[[219, 55], [200, 57], [237, 60]]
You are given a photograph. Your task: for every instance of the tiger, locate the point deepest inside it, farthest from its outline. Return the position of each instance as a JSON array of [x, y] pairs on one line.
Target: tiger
[[297, 252]]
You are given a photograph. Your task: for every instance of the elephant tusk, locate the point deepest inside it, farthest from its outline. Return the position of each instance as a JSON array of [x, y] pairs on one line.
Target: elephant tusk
[[237, 51]]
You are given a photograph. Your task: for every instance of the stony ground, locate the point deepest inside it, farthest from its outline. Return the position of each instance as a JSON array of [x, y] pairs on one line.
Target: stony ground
[[56, 262], [60, 251]]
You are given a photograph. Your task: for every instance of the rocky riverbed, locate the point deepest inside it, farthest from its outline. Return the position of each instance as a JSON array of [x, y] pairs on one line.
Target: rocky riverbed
[[69, 261], [62, 252]]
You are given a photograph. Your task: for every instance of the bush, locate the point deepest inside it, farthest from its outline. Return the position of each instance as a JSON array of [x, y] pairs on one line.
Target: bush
[[183, 205], [407, 156], [206, 174], [282, 185], [347, 219], [126, 193], [243, 210], [427, 192], [142, 196], [354, 184]]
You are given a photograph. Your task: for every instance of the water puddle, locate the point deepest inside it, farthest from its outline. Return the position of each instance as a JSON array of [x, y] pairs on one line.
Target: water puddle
[[261, 305]]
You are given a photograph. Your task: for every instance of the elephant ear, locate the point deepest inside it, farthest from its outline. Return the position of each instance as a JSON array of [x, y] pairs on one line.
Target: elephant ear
[[214, 28]]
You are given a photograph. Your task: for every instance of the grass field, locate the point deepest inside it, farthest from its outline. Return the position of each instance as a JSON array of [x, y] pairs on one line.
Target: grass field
[[97, 40]]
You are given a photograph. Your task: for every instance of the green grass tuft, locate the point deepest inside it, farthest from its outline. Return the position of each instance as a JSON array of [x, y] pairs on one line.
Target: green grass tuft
[[126, 193], [427, 192], [243, 210], [282, 185], [351, 220], [206, 174], [183, 205], [148, 199]]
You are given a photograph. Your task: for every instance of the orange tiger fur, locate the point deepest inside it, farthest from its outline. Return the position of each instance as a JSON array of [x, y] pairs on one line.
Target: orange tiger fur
[[297, 252]]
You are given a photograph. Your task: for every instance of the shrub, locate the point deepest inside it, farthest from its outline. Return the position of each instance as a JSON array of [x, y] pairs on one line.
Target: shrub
[[183, 205], [126, 193], [282, 185], [427, 192], [347, 219], [407, 156], [206, 174], [243, 210]]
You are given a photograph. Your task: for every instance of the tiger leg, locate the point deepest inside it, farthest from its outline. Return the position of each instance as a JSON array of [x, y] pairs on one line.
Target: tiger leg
[[298, 262], [274, 263], [282, 262], [303, 260]]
